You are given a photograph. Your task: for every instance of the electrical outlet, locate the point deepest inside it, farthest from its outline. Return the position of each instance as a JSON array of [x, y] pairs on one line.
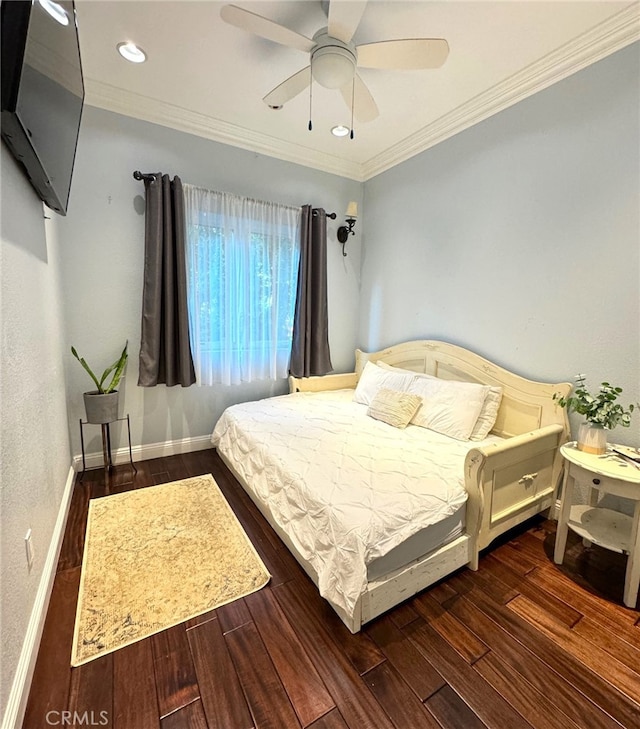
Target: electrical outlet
[[28, 543]]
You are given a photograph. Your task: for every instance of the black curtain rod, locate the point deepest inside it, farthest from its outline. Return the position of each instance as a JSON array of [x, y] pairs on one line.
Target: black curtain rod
[[143, 176], [148, 176]]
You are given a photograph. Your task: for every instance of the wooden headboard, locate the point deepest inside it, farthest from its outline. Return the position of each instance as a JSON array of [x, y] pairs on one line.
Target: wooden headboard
[[526, 405]]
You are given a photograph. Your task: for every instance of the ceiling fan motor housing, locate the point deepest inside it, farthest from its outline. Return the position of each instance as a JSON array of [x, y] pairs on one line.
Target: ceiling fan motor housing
[[333, 63]]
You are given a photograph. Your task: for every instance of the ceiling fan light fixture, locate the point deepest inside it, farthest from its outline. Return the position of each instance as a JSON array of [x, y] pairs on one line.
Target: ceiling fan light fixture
[[131, 52], [333, 66], [340, 130]]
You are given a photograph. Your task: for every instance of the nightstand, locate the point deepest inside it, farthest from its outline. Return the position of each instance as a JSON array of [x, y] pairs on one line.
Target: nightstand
[[610, 529]]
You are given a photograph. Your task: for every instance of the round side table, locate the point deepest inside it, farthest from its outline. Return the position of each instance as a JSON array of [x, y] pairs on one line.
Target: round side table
[[610, 529]]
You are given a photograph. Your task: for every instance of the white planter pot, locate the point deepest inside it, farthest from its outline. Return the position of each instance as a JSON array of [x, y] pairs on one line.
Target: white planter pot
[[592, 439]]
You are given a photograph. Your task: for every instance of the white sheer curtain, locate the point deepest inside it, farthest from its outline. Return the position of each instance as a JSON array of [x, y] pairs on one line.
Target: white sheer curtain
[[242, 270]]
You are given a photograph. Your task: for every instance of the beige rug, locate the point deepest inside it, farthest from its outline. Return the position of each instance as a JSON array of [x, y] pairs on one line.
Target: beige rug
[[156, 557]]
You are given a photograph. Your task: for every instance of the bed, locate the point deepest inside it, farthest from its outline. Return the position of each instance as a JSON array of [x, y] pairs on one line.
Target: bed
[[376, 513]]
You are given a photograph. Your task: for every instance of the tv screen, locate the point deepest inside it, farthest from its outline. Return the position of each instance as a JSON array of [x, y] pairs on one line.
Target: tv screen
[[42, 93]]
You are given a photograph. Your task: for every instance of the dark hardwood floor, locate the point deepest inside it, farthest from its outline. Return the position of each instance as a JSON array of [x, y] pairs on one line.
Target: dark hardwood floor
[[520, 643]]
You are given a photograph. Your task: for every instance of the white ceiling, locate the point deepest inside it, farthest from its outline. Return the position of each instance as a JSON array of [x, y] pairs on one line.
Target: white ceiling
[[206, 77]]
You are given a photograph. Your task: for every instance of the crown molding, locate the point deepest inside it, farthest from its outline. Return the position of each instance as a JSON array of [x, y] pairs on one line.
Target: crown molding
[[145, 108], [611, 35], [604, 39]]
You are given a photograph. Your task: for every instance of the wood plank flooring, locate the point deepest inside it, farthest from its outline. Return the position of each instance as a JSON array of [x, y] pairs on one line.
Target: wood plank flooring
[[520, 643]]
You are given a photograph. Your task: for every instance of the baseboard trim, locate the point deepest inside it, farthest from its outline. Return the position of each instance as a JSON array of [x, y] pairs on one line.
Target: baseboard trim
[[17, 702], [145, 452]]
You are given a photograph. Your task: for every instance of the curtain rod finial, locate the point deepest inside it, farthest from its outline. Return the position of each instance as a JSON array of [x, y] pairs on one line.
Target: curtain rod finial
[[137, 175]]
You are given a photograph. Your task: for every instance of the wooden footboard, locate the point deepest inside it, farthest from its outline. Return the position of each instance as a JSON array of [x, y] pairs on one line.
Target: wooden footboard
[[511, 481]]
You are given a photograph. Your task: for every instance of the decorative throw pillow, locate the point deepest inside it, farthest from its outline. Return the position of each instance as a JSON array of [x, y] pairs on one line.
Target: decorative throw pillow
[[394, 407], [374, 378], [449, 407], [488, 414]]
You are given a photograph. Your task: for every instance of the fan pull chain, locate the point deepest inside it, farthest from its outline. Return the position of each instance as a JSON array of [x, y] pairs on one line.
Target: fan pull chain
[[310, 93], [353, 96]]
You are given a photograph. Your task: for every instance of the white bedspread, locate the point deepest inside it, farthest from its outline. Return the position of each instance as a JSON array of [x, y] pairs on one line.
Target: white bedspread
[[346, 488]]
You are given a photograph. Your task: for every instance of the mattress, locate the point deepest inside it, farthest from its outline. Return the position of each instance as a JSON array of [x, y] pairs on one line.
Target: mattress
[[347, 489], [418, 545]]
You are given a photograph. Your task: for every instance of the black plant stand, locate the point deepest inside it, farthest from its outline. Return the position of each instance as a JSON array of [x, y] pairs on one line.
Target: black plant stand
[[106, 444]]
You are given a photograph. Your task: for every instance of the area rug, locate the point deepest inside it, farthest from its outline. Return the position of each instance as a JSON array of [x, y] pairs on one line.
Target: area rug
[[156, 557]]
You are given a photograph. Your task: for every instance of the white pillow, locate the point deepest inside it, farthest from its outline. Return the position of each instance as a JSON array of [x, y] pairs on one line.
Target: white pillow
[[394, 407], [448, 406], [373, 379], [488, 414]]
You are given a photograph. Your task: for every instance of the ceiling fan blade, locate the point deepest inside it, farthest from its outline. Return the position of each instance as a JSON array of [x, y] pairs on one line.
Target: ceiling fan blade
[[410, 53], [364, 107], [344, 17], [290, 88], [265, 28]]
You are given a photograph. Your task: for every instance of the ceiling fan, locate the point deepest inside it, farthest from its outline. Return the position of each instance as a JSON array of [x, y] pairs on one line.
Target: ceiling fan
[[334, 59]]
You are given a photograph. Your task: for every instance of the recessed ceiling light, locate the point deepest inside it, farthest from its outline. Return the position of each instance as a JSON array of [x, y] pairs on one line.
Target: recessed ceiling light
[[55, 10], [340, 131], [132, 52]]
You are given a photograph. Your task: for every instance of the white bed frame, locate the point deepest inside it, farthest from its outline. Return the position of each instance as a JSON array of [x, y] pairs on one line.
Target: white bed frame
[[507, 482]]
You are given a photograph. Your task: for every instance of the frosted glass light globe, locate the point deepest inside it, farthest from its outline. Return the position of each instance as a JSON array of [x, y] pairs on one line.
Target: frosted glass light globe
[[333, 67]]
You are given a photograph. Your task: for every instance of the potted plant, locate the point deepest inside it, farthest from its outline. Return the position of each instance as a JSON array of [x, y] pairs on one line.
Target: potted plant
[[101, 405], [600, 411]]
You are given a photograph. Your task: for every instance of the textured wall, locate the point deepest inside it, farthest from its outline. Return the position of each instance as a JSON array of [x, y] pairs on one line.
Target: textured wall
[[103, 257], [520, 237], [34, 438]]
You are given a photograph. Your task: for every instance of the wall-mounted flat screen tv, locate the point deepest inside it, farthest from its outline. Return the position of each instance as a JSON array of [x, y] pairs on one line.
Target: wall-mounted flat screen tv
[[42, 92]]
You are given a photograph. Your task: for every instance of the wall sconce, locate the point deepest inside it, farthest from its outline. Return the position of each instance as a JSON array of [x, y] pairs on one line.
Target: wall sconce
[[350, 220]]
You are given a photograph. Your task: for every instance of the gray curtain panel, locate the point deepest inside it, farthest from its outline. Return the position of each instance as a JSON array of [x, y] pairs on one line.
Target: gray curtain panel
[[310, 347], [165, 351]]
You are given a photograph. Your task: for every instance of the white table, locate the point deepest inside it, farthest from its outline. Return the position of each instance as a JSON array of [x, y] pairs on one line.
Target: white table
[[610, 529]]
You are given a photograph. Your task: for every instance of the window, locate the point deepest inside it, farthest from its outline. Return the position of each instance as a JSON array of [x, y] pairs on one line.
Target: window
[[242, 272]]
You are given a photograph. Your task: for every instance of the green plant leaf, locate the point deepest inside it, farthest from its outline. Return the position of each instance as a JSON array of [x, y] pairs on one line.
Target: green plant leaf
[[117, 368], [86, 366], [600, 409], [106, 374]]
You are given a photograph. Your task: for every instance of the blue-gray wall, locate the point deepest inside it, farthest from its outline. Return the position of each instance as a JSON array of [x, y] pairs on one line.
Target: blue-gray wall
[[34, 443], [520, 237]]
